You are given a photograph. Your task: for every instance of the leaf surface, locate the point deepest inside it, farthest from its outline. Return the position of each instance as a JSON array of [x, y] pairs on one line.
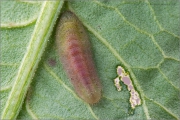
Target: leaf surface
[[142, 36]]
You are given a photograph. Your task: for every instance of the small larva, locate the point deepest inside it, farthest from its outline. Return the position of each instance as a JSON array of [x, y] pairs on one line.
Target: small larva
[[75, 54]]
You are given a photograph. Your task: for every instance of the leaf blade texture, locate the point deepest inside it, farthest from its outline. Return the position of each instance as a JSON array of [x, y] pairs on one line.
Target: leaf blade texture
[[141, 36]]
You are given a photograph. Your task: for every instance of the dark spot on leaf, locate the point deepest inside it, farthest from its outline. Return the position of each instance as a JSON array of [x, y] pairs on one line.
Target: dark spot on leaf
[[51, 62]]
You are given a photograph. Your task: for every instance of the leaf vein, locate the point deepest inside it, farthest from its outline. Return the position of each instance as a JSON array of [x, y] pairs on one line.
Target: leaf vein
[[157, 21], [30, 112], [19, 24], [165, 77], [67, 88], [165, 109], [117, 55], [5, 88]]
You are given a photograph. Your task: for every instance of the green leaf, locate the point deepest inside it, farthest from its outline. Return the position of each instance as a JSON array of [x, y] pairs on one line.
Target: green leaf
[[140, 35], [32, 56]]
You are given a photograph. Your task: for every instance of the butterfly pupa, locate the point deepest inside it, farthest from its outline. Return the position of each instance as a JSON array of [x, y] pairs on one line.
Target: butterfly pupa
[[76, 56]]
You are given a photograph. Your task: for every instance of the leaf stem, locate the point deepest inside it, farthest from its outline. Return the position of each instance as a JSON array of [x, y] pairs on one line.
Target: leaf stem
[[42, 31]]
